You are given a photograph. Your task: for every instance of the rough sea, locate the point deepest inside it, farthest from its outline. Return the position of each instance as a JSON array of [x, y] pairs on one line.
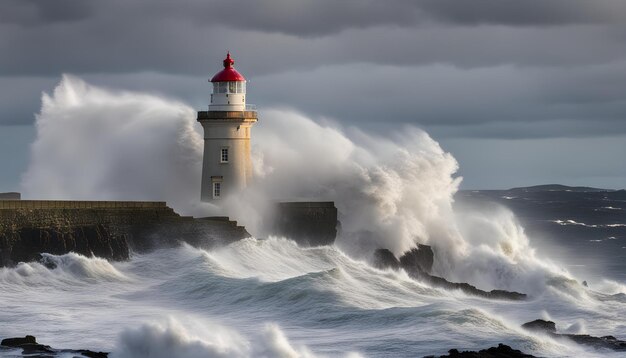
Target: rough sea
[[271, 298]]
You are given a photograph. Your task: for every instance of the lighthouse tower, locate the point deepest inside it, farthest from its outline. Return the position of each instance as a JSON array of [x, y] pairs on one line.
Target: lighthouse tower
[[227, 167]]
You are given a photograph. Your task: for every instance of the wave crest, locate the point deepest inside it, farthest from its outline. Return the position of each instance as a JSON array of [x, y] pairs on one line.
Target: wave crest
[[173, 339]]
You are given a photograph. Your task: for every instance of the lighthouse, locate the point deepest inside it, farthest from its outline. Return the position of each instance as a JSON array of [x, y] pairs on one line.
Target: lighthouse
[[226, 166]]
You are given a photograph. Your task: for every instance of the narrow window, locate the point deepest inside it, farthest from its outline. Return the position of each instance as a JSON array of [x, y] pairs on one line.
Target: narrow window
[[232, 87], [217, 190], [224, 155]]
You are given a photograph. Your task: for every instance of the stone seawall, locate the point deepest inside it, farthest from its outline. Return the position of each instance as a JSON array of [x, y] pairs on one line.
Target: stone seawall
[[307, 223], [106, 229]]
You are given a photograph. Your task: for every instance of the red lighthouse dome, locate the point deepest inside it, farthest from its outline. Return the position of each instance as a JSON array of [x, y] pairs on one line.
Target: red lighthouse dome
[[228, 74]]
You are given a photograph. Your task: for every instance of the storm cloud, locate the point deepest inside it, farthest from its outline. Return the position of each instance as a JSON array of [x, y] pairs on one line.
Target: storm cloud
[[465, 71]]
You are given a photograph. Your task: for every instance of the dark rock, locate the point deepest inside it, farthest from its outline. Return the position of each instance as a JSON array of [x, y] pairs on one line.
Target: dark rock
[[471, 290], [92, 354], [418, 258], [16, 342], [507, 295], [501, 351], [33, 349], [605, 342], [384, 259], [540, 325], [585, 284]]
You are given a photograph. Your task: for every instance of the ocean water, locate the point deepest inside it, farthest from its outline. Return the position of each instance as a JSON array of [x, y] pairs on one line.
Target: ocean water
[[584, 229], [271, 298]]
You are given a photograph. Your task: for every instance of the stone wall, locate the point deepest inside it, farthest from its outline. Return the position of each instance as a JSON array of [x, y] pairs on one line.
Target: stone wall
[[78, 204], [106, 229], [307, 223]]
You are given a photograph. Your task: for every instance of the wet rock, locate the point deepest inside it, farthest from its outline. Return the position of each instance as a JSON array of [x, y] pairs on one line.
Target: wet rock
[[585, 284], [32, 349], [471, 290], [92, 354], [501, 351], [384, 259], [418, 258], [540, 325], [18, 341], [605, 342]]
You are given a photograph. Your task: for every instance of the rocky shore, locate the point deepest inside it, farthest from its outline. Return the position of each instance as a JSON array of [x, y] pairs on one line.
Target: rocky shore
[[549, 328], [541, 326], [501, 351], [29, 347], [418, 264]]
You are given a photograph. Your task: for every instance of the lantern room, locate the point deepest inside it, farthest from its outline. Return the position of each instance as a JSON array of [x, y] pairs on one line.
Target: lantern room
[[229, 88]]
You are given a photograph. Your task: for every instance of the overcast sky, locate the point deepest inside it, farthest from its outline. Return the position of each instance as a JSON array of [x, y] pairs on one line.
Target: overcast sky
[[521, 92]]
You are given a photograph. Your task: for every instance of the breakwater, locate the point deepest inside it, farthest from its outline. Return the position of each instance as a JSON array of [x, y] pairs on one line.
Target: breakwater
[[108, 229], [309, 223]]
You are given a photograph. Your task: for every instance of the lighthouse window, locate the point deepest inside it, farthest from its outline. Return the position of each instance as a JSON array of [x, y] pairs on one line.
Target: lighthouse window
[[232, 87], [224, 155], [217, 190], [241, 87], [220, 87]]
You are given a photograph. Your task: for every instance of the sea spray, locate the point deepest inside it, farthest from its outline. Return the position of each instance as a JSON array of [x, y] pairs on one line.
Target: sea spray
[[391, 192], [98, 144], [206, 340]]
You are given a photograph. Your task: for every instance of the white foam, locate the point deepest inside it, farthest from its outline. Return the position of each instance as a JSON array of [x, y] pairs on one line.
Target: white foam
[[205, 340], [573, 222]]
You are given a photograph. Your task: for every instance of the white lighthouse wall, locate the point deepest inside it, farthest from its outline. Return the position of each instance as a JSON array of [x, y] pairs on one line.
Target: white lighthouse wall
[[228, 102], [237, 172]]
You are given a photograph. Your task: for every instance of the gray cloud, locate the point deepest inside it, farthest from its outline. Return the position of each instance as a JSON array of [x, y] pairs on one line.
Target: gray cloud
[[44, 12], [324, 17], [499, 69], [525, 13]]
